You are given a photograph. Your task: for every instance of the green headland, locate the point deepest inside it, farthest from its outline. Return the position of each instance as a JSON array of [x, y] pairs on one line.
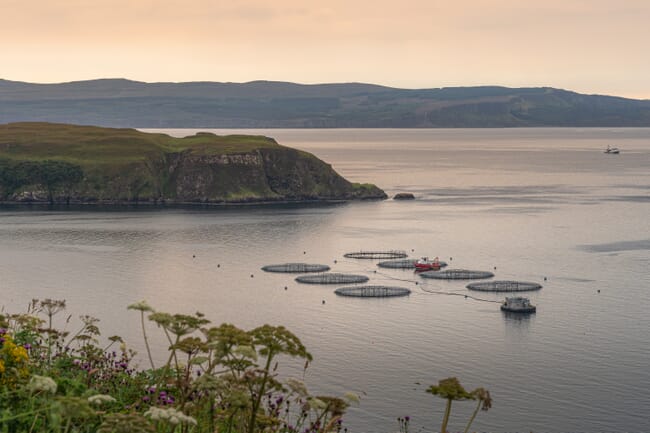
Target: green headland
[[60, 163]]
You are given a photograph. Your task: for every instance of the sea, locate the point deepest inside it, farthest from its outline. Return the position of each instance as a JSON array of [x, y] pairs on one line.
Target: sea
[[542, 205]]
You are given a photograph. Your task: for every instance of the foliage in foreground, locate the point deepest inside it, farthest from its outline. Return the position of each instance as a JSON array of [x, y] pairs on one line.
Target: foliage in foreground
[[216, 378]]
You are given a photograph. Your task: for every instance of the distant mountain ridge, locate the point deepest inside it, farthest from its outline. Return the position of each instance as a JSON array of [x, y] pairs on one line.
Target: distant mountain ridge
[[271, 104]]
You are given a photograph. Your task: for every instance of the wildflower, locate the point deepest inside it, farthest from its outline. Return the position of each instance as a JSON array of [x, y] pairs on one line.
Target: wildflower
[[351, 397], [122, 422], [317, 404], [297, 386], [246, 351], [169, 415], [140, 306], [100, 399], [42, 383]]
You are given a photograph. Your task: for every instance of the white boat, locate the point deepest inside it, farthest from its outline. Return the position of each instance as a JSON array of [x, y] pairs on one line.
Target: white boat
[[518, 305], [612, 150]]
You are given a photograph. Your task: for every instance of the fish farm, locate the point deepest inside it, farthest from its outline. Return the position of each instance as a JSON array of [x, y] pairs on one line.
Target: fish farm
[[298, 268], [376, 255], [332, 278], [504, 286], [372, 291], [404, 264], [457, 274]]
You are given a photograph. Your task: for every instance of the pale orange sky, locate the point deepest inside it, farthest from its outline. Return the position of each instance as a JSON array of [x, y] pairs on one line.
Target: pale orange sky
[[590, 46]]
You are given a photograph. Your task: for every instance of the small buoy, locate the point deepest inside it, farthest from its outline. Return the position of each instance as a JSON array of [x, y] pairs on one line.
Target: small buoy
[[193, 256], [375, 271], [465, 296], [251, 275], [544, 278], [323, 301], [285, 287], [598, 290], [304, 252], [451, 258], [412, 250], [218, 265], [416, 283], [495, 268], [334, 260]]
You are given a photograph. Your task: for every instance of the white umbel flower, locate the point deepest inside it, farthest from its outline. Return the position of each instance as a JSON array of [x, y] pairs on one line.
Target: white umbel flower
[[100, 399], [169, 415], [42, 383]]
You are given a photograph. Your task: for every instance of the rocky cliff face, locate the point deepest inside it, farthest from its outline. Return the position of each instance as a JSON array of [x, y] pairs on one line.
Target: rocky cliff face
[[279, 174], [263, 175]]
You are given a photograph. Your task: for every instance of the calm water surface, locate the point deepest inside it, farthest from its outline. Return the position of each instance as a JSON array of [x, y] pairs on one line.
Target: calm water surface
[[533, 203]]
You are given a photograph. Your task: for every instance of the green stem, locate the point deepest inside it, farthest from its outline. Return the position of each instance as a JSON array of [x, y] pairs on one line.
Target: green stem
[[471, 420], [230, 422], [31, 429], [166, 370], [211, 403], [67, 426], [258, 400], [20, 415], [445, 420], [146, 340]]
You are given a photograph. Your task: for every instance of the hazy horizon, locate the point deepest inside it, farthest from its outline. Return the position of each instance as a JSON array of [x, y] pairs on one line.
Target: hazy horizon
[[593, 47]]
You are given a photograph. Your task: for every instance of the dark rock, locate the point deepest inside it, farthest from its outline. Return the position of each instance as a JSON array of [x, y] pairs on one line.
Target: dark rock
[[404, 196]]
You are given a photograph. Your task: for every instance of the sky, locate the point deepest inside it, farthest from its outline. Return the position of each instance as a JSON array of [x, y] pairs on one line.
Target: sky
[[589, 46]]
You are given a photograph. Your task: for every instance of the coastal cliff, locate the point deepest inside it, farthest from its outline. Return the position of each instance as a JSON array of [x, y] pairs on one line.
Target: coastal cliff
[[59, 163]]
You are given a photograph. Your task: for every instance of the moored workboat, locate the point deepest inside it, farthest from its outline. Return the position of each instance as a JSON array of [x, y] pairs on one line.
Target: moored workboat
[[424, 264], [518, 305]]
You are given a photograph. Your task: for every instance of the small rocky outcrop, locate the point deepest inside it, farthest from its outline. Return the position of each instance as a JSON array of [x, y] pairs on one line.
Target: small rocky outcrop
[[404, 196]]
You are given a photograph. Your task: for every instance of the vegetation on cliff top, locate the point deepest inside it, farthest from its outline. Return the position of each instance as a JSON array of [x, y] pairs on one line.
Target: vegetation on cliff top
[[86, 145], [71, 163]]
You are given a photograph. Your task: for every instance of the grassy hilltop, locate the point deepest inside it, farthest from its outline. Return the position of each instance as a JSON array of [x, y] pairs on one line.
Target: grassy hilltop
[[85, 164]]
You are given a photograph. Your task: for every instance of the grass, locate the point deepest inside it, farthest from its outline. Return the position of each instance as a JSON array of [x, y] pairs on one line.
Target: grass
[[91, 145]]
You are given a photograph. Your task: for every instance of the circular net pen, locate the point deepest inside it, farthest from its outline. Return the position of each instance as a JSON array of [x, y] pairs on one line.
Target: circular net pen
[[504, 286], [404, 264], [372, 291], [297, 268], [457, 274], [376, 255], [331, 278]]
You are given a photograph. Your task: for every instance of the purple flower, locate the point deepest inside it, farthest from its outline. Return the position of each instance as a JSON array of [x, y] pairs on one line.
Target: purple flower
[[27, 346]]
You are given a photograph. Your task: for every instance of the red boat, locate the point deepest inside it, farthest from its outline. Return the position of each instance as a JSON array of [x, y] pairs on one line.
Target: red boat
[[424, 264]]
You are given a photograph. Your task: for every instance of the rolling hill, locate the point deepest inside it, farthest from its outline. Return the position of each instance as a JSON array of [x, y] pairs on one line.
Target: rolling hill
[[266, 104]]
